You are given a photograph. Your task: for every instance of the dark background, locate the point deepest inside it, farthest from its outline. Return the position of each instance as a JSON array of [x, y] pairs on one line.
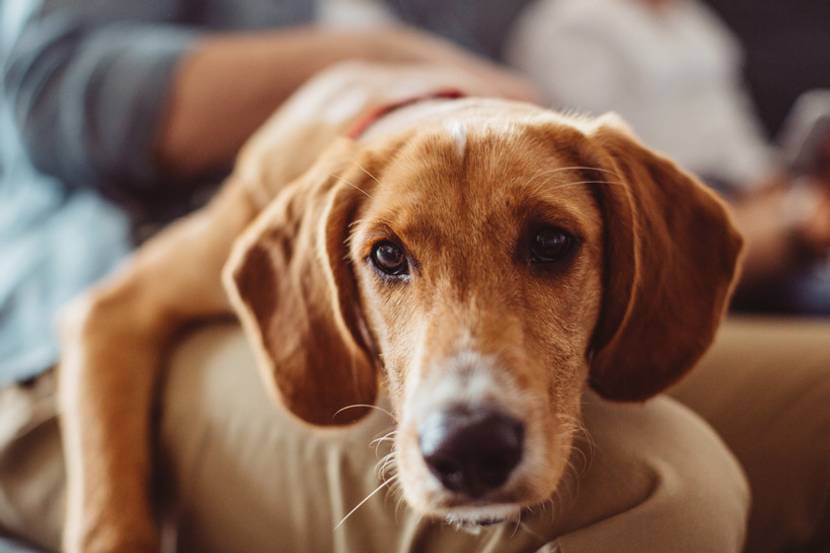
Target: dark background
[[787, 47]]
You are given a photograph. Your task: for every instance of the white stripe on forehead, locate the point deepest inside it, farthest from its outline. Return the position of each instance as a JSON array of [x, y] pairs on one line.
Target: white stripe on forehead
[[459, 136]]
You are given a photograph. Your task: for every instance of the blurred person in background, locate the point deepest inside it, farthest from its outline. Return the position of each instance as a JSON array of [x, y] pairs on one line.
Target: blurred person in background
[[673, 71], [117, 116], [119, 113]]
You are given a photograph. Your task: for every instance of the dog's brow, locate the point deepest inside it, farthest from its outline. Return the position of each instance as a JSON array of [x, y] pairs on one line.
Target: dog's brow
[[553, 171]]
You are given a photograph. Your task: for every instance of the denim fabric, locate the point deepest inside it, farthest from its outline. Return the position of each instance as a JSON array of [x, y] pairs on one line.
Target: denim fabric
[[76, 114], [54, 241]]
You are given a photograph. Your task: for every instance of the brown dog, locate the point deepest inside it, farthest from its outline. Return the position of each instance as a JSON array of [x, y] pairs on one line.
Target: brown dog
[[484, 259]]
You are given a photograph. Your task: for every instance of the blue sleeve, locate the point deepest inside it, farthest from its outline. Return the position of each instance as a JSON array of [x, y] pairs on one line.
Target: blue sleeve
[[87, 82]]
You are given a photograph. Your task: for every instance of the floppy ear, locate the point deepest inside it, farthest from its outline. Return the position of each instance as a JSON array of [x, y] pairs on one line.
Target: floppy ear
[[292, 286], [671, 258]]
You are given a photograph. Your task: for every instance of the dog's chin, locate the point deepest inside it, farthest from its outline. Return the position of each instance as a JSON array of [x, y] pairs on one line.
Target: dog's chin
[[473, 519]]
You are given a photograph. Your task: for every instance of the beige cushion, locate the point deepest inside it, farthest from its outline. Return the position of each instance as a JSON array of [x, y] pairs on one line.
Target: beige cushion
[[244, 476], [765, 387], [251, 478]]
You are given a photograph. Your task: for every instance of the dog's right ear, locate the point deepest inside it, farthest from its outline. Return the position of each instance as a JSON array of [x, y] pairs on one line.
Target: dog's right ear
[[672, 257], [290, 282]]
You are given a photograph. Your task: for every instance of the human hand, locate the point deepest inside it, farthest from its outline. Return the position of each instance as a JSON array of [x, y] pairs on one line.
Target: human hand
[[814, 227], [822, 170], [786, 225]]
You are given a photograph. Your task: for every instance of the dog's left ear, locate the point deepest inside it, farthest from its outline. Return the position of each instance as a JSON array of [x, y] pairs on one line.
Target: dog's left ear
[[671, 260], [291, 283]]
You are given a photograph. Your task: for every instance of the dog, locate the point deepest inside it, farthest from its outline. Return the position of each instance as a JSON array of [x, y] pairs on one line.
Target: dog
[[484, 260]]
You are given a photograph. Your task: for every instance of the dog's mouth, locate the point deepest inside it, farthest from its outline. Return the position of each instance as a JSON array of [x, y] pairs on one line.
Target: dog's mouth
[[474, 519], [488, 521]]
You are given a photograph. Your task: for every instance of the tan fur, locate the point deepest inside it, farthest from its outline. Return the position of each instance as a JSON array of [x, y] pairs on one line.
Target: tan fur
[[642, 295]]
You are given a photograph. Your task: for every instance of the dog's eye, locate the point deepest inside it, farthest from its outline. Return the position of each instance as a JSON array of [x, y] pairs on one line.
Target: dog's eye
[[550, 244], [390, 258]]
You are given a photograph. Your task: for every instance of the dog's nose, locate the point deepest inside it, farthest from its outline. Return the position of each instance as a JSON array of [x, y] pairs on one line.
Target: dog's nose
[[471, 450]]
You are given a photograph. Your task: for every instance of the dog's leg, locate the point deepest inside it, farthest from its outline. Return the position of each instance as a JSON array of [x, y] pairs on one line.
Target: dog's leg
[[112, 340]]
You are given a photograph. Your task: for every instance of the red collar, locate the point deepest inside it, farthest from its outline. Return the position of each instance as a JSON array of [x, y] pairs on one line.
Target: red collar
[[370, 117]]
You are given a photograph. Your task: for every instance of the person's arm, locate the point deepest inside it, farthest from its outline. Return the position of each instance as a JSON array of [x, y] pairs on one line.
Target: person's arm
[[85, 82], [121, 94], [228, 84]]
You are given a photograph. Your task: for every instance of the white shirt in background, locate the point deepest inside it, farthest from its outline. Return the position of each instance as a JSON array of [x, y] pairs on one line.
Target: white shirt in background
[[672, 73]]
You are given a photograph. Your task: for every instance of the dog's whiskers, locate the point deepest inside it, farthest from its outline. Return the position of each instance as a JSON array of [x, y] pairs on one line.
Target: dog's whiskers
[[581, 182], [366, 405], [386, 463], [378, 442], [581, 435], [365, 499], [390, 434], [356, 187], [553, 171], [583, 168], [518, 522], [362, 168], [355, 223], [529, 530]]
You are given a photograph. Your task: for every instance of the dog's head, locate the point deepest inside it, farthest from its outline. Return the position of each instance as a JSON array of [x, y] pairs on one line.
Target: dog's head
[[487, 269]]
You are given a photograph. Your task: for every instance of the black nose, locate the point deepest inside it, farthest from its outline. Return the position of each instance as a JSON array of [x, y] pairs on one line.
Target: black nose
[[471, 450]]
